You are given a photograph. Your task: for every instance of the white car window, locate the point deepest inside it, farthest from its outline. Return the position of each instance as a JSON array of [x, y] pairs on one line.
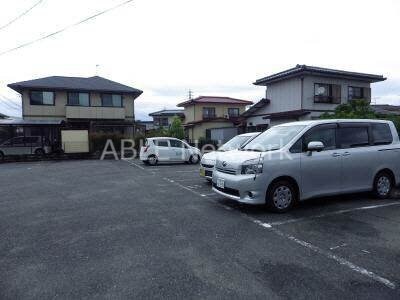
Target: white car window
[[176, 143], [162, 143]]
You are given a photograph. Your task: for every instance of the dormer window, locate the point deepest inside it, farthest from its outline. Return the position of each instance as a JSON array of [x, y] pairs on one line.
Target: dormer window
[[41, 98]]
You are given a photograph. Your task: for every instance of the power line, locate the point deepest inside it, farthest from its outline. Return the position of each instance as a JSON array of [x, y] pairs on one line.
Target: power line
[[21, 15], [65, 28], [10, 106], [10, 103]]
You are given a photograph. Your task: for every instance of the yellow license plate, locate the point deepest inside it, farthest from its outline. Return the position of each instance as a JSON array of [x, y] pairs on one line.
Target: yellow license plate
[[202, 172]]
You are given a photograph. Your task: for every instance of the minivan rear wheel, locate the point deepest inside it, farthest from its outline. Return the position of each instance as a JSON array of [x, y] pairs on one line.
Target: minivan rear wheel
[[383, 185], [281, 196]]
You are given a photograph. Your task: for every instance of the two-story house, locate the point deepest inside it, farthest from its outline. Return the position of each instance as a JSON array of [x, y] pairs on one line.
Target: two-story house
[[164, 118], [92, 103], [212, 117], [306, 92]]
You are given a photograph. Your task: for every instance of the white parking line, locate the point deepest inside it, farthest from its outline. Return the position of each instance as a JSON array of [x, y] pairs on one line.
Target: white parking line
[[342, 261], [134, 164], [338, 212]]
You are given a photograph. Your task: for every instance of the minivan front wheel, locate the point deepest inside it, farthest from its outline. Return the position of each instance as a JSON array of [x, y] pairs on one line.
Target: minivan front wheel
[[383, 185], [281, 196]]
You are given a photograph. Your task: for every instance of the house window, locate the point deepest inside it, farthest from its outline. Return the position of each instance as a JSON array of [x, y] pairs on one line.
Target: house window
[[208, 112], [41, 98], [233, 112], [78, 99], [164, 121], [111, 100], [327, 93], [356, 93]]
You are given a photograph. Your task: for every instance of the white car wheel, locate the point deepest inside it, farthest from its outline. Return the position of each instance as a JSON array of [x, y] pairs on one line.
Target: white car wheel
[[194, 159], [152, 160]]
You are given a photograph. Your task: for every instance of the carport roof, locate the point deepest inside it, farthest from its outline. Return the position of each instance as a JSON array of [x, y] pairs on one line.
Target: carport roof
[[23, 122], [95, 84]]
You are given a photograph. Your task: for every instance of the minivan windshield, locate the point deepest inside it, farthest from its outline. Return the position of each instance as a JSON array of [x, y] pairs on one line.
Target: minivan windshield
[[234, 143], [274, 138]]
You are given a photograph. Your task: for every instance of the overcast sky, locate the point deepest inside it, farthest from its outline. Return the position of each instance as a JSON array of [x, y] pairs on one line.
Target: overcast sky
[[214, 47]]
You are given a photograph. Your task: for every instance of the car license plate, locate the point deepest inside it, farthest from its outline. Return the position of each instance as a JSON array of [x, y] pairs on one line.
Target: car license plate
[[220, 183], [202, 172]]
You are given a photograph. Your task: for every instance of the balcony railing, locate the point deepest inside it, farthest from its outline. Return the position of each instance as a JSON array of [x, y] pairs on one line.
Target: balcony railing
[[94, 112], [207, 117]]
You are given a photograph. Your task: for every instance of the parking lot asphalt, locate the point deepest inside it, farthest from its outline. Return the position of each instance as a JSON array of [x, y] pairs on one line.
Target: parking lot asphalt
[[119, 229]]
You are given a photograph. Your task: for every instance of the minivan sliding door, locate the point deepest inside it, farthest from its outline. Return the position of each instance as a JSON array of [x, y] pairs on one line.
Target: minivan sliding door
[[359, 159]]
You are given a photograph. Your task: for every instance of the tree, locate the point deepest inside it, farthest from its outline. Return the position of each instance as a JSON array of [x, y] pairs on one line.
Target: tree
[[355, 109], [176, 129], [359, 109]]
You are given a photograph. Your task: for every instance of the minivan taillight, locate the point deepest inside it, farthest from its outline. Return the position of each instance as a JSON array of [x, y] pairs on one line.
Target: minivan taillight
[[146, 148]]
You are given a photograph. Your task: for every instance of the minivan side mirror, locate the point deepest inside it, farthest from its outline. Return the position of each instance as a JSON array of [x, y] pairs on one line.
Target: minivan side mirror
[[315, 146]]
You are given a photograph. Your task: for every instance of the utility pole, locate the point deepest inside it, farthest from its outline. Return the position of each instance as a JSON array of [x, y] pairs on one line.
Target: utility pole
[[190, 94], [97, 70]]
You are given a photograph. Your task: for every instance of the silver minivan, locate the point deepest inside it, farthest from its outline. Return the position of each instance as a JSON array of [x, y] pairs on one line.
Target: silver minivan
[[303, 160], [23, 145]]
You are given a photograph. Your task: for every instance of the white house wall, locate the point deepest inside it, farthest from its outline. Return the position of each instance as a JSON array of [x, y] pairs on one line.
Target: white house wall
[[257, 120], [284, 95]]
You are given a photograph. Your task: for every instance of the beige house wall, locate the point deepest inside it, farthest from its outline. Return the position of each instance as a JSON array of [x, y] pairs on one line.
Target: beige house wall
[[199, 131], [58, 111], [195, 112]]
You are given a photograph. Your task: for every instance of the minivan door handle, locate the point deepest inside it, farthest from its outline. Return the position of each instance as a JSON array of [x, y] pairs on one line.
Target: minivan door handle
[[346, 154], [335, 154]]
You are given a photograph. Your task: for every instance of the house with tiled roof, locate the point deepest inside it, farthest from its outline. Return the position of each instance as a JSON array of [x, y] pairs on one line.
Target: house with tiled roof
[[164, 118], [305, 92], [206, 115], [92, 103]]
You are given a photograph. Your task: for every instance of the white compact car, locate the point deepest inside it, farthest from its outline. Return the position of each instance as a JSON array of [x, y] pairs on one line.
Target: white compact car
[[302, 160], [24, 146], [165, 149], [208, 159]]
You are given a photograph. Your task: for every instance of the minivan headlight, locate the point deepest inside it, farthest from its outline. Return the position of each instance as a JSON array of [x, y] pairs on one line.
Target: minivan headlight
[[252, 167]]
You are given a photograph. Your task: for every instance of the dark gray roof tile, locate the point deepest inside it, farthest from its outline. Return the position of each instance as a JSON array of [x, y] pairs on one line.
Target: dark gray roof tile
[[95, 84], [300, 70]]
